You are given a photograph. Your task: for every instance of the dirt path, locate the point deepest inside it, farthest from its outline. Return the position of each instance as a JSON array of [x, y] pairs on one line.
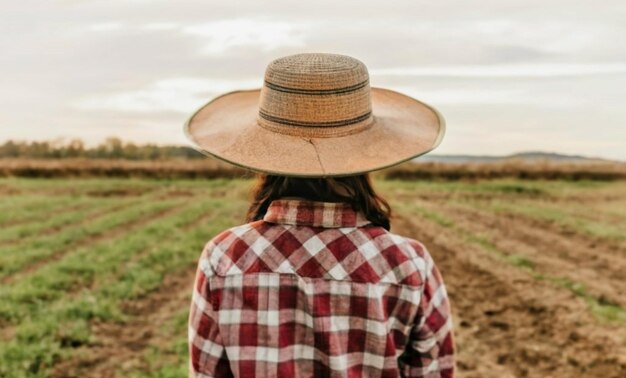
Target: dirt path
[[510, 325]]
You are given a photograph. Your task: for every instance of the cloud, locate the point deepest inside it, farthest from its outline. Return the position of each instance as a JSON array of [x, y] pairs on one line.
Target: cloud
[[105, 27], [549, 35], [216, 37], [159, 26], [529, 70], [267, 35], [180, 95], [122, 66], [460, 96]]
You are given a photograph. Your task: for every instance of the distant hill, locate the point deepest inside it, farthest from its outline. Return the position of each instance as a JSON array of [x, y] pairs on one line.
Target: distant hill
[[523, 156]]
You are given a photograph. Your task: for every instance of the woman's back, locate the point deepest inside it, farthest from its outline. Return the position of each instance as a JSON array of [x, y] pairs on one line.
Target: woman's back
[[307, 287], [315, 289]]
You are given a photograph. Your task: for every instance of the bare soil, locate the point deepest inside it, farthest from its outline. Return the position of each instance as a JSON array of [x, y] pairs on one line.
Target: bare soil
[[508, 324], [122, 347]]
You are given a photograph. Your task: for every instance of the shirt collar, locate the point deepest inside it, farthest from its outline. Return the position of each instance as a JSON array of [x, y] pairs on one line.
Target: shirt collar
[[305, 212]]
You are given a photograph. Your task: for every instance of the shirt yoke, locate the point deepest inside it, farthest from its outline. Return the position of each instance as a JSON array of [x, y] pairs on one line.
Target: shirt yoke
[[367, 254]]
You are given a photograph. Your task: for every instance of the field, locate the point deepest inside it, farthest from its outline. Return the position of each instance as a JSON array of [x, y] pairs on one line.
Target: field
[[96, 273], [211, 168]]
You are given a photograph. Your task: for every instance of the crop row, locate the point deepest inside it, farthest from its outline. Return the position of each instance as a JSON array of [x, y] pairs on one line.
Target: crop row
[[54, 307], [15, 257]]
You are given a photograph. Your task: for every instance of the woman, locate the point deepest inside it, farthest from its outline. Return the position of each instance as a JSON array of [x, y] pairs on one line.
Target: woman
[[314, 284]]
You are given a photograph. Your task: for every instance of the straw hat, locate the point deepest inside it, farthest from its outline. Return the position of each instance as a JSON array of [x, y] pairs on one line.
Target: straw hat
[[315, 116]]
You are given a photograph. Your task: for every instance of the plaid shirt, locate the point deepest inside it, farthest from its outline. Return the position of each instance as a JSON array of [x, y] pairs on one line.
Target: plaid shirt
[[315, 290]]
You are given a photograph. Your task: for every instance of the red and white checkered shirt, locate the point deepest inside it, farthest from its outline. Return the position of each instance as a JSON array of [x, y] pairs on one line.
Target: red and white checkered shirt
[[315, 290]]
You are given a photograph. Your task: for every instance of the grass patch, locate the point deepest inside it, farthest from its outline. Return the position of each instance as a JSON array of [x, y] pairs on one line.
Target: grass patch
[[171, 360], [54, 221], [564, 218], [518, 188], [601, 308], [521, 261], [16, 257], [101, 277]]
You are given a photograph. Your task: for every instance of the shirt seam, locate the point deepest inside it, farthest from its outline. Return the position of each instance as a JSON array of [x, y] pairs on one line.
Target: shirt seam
[[420, 287]]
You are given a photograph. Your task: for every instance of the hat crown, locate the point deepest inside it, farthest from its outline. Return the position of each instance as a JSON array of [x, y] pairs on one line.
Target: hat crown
[[316, 95], [316, 71]]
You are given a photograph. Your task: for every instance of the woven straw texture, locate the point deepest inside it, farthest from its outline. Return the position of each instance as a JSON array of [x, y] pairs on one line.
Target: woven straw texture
[[315, 116]]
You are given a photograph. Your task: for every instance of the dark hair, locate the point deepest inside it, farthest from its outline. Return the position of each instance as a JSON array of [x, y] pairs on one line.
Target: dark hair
[[362, 196]]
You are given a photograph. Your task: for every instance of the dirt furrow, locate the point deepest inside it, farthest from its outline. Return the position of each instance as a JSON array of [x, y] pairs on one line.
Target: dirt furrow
[[600, 269], [60, 228], [38, 216], [122, 346], [510, 325], [111, 233]]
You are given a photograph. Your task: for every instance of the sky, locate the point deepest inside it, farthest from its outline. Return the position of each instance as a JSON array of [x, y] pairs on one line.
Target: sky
[[509, 76]]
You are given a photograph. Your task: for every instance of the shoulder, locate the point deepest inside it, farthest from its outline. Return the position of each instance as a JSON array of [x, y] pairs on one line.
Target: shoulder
[[415, 250], [406, 259], [417, 247], [221, 251], [233, 234]]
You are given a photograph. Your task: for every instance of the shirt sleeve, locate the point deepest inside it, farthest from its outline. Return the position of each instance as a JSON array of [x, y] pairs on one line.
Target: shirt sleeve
[[207, 354], [430, 349]]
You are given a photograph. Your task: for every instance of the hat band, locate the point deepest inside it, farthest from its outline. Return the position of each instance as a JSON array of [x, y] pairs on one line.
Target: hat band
[[315, 129], [306, 91]]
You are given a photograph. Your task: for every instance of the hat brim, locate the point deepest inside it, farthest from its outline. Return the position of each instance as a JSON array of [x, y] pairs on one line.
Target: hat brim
[[226, 128]]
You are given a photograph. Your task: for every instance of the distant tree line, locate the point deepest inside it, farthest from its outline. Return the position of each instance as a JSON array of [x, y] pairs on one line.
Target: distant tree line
[[111, 148]]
